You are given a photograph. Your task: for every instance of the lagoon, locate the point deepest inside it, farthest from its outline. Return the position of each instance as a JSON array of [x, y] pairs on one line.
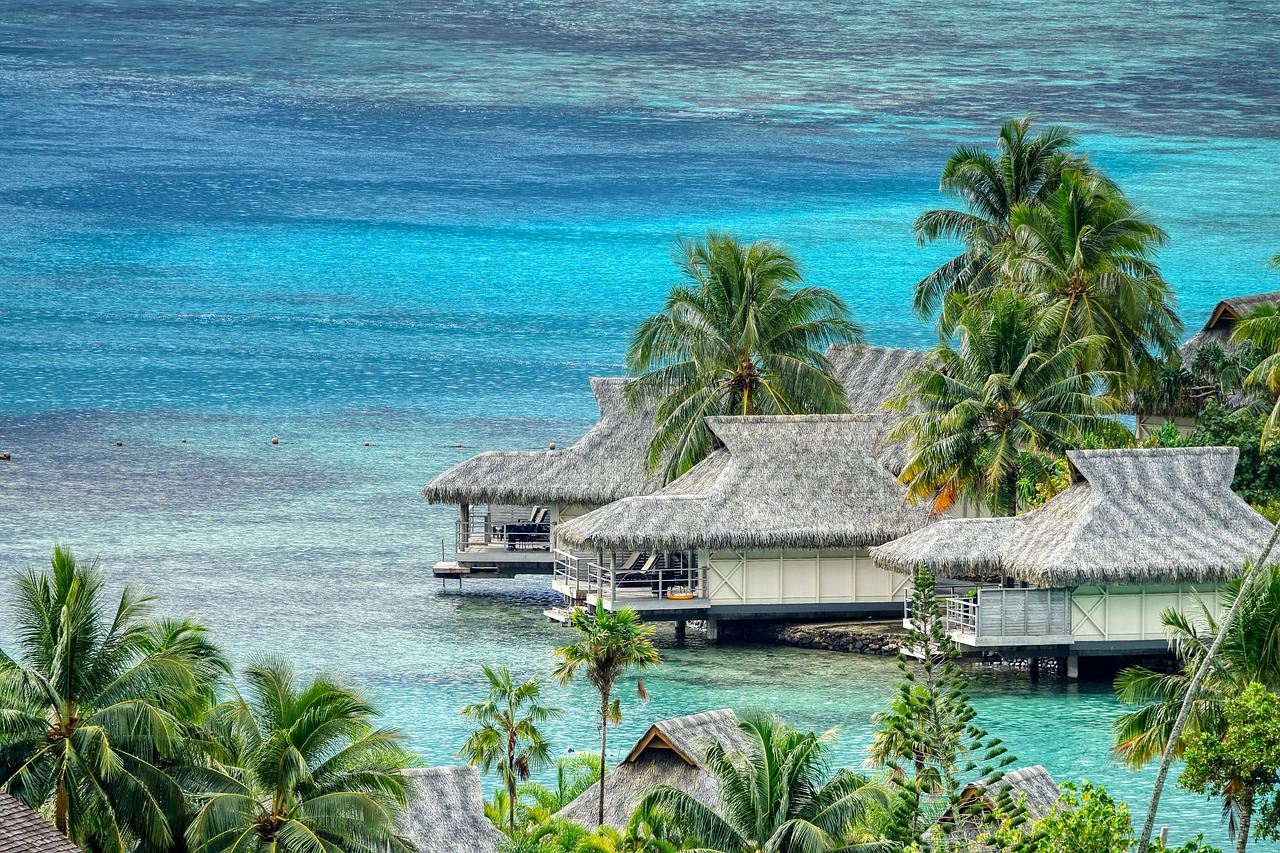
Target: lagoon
[[424, 225]]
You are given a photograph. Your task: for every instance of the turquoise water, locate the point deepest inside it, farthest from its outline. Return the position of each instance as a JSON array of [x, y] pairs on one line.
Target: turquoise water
[[422, 225]]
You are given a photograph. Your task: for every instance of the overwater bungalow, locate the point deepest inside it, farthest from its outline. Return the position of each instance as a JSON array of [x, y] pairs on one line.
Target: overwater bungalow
[[1215, 331], [776, 522], [1032, 788], [446, 812], [671, 753], [510, 502], [1090, 572]]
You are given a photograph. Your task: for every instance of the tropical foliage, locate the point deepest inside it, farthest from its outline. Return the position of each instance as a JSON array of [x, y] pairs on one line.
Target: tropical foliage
[[299, 766], [778, 795], [1249, 654], [94, 704], [609, 645], [1007, 389], [928, 737], [740, 336], [1242, 763], [1085, 256], [507, 736], [1025, 170]]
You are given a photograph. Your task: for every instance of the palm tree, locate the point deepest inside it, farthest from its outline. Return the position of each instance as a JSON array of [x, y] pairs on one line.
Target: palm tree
[[508, 737], [1008, 388], [1025, 170], [646, 832], [739, 337], [1260, 330], [609, 645], [1250, 653], [299, 768], [93, 700], [776, 795], [1086, 253], [575, 773]]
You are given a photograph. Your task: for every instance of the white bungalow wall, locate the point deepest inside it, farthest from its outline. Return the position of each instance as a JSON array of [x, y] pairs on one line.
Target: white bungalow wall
[[798, 577], [1147, 424], [1111, 613], [559, 514]]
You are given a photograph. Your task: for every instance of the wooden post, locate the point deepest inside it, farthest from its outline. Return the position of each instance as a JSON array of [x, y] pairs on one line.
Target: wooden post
[[680, 629], [713, 628], [1073, 667], [1035, 669]]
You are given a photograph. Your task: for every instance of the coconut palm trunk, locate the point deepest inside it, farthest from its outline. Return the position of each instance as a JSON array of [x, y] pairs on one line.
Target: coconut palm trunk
[[604, 743], [1193, 690]]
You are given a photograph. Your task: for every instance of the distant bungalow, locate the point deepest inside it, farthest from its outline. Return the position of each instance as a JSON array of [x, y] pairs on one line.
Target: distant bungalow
[[511, 501], [776, 522], [671, 752], [1090, 572], [1216, 330]]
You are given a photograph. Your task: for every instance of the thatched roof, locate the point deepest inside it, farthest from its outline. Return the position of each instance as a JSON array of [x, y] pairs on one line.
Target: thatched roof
[[1131, 517], [24, 831], [607, 463], [871, 375], [801, 481], [1222, 319], [669, 753], [1033, 787], [446, 812]]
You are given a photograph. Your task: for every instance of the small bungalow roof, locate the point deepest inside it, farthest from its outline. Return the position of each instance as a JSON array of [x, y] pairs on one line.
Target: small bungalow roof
[[1033, 787], [799, 481], [1130, 517], [24, 831], [1222, 319], [607, 463], [670, 753], [446, 812]]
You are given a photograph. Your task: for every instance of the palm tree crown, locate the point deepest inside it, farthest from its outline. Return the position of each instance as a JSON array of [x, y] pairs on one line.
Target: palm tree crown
[[609, 645], [93, 699], [299, 767], [508, 737], [1008, 388], [740, 337], [1025, 170], [777, 795], [1086, 254]]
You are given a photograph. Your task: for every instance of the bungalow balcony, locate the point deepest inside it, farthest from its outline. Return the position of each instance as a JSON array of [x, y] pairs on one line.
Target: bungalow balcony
[[499, 541], [992, 618], [651, 583]]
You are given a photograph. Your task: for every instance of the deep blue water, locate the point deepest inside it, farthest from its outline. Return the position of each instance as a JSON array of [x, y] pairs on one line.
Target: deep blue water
[[422, 225]]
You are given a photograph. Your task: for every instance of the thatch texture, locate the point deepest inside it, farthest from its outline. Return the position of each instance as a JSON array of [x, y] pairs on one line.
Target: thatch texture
[[607, 463], [1033, 787], [24, 831], [802, 481], [669, 753], [446, 812], [1131, 517], [1222, 319], [871, 375]]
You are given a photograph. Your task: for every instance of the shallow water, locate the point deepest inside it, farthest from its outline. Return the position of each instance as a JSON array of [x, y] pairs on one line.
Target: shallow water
[[422, 225]]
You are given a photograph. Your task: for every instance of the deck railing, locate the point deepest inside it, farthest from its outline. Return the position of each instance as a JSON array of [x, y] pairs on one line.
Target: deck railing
[[507, 527], [993, 616], [629, 576]]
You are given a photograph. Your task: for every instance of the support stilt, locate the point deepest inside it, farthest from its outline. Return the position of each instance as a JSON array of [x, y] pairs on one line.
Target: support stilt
[[713, 628], [680, 629]]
